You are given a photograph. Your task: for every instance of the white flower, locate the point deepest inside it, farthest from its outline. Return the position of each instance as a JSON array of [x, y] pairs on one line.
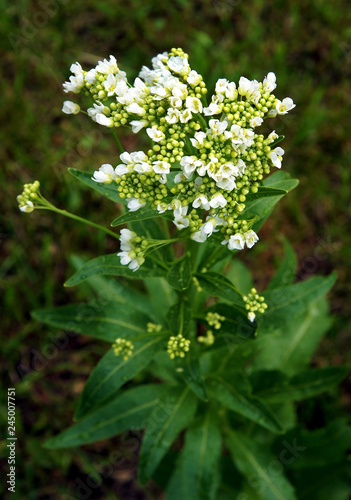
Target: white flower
[[90, 76], [193, 104], [155, 134], [102, 119], [125, 259], [98, 108], [172, 115], [250, 238], [272, 136], [227, 184], [137, 125], [218, 200], [161, 167], [106, 66], [221, 86], [142, 167], [198, 140], [178, 65], [236, 242], [162, 207], [136, 263], [189, 164], [135, 109], [70, 108], [180, 177], [284, 106], [199, 236], [201, 201], [249, 89], [251, 315], [126, 236], [209, 226], [75, 84], [269, 83], [135, 203], [231, 92], [106, 174], [213, 109], [110, 84], [256, 121], [217, 127], [27, 207], [193, 78], [180, 219]]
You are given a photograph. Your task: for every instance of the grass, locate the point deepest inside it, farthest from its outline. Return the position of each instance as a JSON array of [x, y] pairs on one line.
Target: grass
[[307, 45]]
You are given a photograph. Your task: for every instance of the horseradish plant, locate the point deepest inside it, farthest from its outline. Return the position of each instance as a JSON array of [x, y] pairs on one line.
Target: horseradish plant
[[196, 358]]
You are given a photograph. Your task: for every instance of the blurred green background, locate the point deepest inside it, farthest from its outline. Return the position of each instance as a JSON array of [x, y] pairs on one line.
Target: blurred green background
[[307, 44]]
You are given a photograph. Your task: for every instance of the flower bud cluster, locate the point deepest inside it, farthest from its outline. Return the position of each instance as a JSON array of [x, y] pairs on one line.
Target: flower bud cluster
[[153, 328], [207, 339], [133, 248], [29, 197], [178, 346], [254, 303], [205, 158], [123, 347], [214, 319]]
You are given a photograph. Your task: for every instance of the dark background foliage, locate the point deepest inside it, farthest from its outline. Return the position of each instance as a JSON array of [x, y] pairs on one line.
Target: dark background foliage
[[307, 44]]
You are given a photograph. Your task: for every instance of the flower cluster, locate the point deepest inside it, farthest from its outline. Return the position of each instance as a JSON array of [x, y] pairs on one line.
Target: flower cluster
[[133, 248], [207, 339], [178, 346], [214, 319], [153, 328], [205, 157], [123, 347], [254, 303], [29, 197]]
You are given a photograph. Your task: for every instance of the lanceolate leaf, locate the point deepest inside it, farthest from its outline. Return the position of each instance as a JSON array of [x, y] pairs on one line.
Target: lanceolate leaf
[[161, 296], [144, 213], [104, 322], [179, 317], [235, 395], [172, 414], [111, 290], [305, 385], [111, 265], [190, 372], [113, 371], [179, 275], [287, 270], [255, 462], [286, 302], [219, 286], [265, 192], [197, 475], [107, 190], [129, 410], [295, 343]]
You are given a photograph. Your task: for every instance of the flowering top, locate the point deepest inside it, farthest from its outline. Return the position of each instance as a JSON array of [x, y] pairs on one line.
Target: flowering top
[[205, 158]]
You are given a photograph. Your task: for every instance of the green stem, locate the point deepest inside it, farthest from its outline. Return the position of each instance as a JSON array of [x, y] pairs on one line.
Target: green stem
[[120, 147], [158, 261], [80, 219]]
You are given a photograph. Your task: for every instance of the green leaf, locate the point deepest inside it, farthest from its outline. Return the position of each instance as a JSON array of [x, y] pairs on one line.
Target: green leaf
[[179, 275], [235, 395], [197, 474], [96, 320], [162, 296], [179, 317], [143, 213], [113, 371], [276, 141], [320, 448], [219, 286], [129, 410], [255, 462], [265, 192], [172, 414], [286, 302], [262, 207], [190, 371], [240, 276], [235, 328], [108, 190], [111, 265], [332, 482], [110, 290], [289, 349], [305, 385], [287, 270]]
